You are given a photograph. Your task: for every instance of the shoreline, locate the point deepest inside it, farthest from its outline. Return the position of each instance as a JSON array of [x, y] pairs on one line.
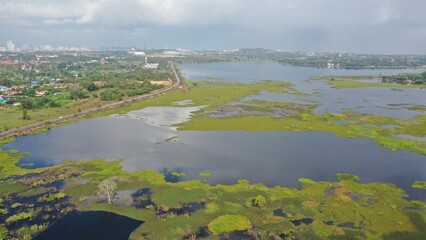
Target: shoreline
[[176, 81]]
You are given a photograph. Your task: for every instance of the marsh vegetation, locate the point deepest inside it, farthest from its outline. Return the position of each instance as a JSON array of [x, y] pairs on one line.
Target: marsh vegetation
[[178, 192], [186, 209]]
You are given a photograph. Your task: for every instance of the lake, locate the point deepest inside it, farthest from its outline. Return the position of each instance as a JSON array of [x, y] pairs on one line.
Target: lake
[[145, 139], [89, 226], [376, 101]]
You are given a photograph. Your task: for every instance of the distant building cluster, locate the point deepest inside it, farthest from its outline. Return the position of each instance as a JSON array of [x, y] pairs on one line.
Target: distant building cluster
[[136, 53], [11, 47], [7, 93], [142, 54], [150, 65]]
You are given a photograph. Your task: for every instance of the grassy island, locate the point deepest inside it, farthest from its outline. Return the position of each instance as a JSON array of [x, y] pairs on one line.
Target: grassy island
[[193, 209]]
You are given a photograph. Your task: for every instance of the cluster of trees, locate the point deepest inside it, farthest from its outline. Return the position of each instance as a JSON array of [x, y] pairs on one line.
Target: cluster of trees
[[6, 82], [130, 88], [114, 75], [112, 95], [48, 101], [406, 78]]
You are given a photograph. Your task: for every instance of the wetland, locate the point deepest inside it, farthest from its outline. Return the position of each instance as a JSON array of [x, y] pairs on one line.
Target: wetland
[[287, 131]]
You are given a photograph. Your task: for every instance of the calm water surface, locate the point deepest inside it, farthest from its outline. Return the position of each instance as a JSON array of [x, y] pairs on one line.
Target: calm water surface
[[144, 139], [89, 226], [273, 158], [376, 101]]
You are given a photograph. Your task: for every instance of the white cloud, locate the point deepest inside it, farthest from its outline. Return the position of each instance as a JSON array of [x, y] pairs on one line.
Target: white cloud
[[329, 20], [17, 10], [57, 22], [386, 12], [296, 13]]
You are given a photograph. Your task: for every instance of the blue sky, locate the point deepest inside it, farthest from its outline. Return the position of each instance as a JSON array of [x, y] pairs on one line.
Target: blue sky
[[360, 26]]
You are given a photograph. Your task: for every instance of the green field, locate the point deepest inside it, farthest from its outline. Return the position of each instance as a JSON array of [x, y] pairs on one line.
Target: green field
[[344, 209]]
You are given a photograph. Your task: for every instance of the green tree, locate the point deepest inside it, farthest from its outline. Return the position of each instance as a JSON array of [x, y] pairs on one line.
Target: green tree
[[28, 103], [79, 94], [111, 95], [92, 87], [25, 114]]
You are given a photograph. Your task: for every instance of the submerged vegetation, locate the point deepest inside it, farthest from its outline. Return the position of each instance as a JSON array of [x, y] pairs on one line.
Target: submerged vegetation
[[368, 81], [419, 185], [32, 199], [226, 109], [193, 209]]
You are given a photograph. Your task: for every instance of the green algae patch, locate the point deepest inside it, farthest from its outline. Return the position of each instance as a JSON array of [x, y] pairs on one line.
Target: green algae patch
[[277, 116], [417, 203], [225, 110], [81, 190], [419, 185], [347, 177], [174, 138], [11, 187], [229, 223], [226, 209], [326, 210], [172, 196], [205, 174], [175, 173], [9, 161]]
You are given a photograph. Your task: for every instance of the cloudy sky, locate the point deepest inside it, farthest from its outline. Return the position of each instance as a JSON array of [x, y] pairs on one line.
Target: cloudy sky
[[361, 26]]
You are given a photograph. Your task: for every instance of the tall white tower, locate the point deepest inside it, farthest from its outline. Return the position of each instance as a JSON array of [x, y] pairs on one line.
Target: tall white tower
[[10, 46]]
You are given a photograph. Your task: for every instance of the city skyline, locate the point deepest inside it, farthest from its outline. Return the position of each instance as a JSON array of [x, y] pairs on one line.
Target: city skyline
[[365, 26], [13, 47]]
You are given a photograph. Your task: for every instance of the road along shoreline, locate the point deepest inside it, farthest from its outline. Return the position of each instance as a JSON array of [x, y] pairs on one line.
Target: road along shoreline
[[174, 77]]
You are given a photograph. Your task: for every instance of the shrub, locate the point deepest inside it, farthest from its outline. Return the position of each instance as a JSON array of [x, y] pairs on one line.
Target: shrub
[[21, 216], [259, 201], [16, 205], [52, 197], [228, 223], [347, 177], [3, 211], [112, 95], [3, 233]]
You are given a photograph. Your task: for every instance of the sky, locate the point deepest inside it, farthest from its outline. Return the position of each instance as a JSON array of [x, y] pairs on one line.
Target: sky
[[356, 26]]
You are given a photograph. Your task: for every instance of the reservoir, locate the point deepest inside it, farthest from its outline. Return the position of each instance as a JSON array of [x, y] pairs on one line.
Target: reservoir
[[146, 138]]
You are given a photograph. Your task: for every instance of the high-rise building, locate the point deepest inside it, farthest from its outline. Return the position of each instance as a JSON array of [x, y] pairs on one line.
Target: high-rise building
[[10, 46], [26, 47]]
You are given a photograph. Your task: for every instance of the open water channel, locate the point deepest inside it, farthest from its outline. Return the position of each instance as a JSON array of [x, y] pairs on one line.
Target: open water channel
[[145, 139]]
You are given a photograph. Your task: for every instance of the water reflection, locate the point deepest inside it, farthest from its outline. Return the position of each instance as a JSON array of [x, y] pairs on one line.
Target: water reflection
[[254, 71], [273, 158], [142, 138], [376, 101], [164, 116]]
